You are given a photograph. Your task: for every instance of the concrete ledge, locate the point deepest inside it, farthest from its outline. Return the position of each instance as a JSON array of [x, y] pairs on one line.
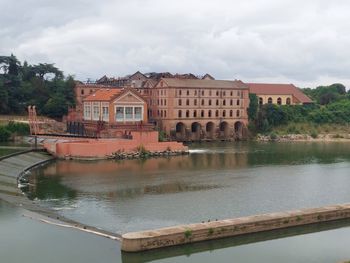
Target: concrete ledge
[[183, 234]]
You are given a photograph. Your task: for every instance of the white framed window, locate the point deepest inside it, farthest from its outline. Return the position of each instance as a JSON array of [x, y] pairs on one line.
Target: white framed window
[[138, 113], [96, 111], [87, 111], [128, 113], [105, 112], [120, 113]]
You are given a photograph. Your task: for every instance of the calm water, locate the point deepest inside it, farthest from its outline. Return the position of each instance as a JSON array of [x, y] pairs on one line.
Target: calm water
[[216, 181], [25, 240]]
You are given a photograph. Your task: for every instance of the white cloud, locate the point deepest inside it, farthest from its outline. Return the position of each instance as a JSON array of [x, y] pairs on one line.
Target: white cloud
[[301, 42]]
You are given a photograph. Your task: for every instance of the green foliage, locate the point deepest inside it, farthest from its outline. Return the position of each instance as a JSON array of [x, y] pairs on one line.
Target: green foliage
[[42, 85], [273, 136], [326, 94], [314, 134], [18, 128], [4, 134], [162, 136], [253, 107], [188, 233]]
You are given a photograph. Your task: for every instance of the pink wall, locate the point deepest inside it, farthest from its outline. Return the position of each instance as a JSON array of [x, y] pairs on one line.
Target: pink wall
[[101, 148]]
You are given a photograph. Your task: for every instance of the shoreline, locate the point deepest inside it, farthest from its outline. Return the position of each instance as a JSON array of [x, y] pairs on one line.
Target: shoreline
[[303, 138]]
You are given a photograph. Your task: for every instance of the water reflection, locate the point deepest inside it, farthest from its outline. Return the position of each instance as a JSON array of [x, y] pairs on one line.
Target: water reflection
[[219, 180]]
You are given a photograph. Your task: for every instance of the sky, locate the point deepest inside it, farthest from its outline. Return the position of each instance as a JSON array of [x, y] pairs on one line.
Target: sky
[[291, 41]]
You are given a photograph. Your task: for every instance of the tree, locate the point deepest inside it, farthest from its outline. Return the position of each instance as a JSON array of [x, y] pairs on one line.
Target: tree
[[253, 107]]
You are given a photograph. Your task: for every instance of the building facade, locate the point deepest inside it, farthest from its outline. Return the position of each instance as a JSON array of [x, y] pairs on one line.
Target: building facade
[[279, 94], [198, 109]]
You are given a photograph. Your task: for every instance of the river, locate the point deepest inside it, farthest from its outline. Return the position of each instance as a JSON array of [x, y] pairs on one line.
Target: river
[[216, 181]]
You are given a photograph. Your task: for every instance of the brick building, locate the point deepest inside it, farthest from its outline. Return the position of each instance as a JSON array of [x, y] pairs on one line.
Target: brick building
[[197, 109], [280, 94]]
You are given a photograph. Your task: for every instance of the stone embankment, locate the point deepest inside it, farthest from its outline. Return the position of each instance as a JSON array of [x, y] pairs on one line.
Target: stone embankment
[[303, 137], [183, 234], [146, 154]]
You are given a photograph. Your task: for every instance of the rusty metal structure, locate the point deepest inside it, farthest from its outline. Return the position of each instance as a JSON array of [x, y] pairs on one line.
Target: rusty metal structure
[[33, 120]]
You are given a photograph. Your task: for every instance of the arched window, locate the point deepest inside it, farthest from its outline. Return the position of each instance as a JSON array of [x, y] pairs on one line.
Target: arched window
[[209, 102], [269, 100], [279, 101], [231, 102], [231, 93], [202, 102], [288, 101], [237, 113], [217, 93], [188, 92], [217, 102], [195, 102], [231, 113], [187, 102], [187, 114], [224, 114], [209, 114], [161, 113], [180, 92], [238, 102], [216, 113], [195, 114], [180, 114], [202, 113], [224, 102], [261, 101], [82, 91], [180, 102]]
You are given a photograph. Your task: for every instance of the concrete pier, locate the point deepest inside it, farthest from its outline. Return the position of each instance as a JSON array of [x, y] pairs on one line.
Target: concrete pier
[[183, 234]]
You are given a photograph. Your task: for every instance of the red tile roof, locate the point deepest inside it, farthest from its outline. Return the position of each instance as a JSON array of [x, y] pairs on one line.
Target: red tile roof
[[278, 89], [103, 95], [204, 83]]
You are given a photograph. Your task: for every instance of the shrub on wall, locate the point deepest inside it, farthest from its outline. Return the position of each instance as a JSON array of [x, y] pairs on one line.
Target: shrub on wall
[[4, 134]]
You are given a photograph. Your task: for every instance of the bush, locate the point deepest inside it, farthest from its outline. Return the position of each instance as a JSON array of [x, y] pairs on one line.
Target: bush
[[273, 136], [314, 134], [4, 134], [18, 128]]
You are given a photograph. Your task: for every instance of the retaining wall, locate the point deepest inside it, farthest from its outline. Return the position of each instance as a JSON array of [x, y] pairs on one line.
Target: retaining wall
[[178, 235]]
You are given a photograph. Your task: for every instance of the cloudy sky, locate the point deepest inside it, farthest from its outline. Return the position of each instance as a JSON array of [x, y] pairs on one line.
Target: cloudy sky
[[303, 42]]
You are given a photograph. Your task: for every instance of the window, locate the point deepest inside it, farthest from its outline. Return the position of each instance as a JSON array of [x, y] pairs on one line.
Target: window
[[209, 114], [180, 102], [279, 101], [187, 102], [237, 113], [128, 113], [202, 92], [238, 102], [231, 93], [165, 114], [202, 113], [231, 102], [261, 101], [217, 102], [96, 111], [209, 92], [87, 111], [180, 114], [224, 114], [217, 93], [164, 102], [120, 113], [180, 92], [224, 102], [195, 114], [231, 113], [209, 102], [195, 93], [161, 113], [82, 91], [138, 113], [217, 113], [288, 101], [188, 93], [224, 93], [202, 102], [269, 100], [187, 114], [105, 112], [195, 102]]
